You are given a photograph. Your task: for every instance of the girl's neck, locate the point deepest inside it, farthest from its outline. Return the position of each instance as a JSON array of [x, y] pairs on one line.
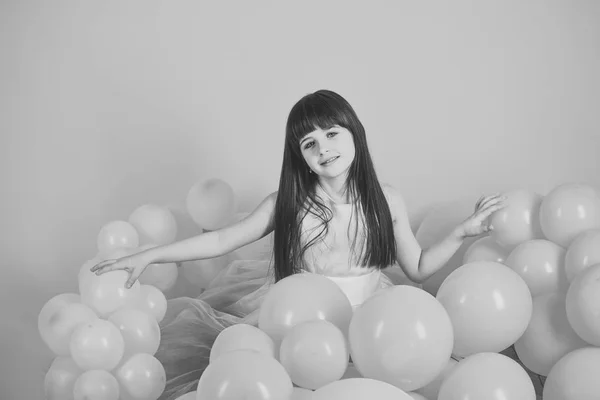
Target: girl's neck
[[336, 192]]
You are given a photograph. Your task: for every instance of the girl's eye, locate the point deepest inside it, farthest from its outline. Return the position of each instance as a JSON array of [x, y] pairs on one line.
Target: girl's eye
[[308, 145], [331, 134]]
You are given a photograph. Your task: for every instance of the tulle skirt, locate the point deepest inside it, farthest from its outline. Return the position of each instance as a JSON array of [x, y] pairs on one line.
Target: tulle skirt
[[191, 325]]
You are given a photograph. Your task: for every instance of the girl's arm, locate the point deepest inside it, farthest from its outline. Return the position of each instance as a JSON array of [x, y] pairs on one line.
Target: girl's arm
[[206, 245], [419, 264]]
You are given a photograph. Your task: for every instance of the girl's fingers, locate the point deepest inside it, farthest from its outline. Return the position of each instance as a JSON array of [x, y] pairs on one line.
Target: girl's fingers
[[490, 209], [112, 267], [491, 200], [102, 264]]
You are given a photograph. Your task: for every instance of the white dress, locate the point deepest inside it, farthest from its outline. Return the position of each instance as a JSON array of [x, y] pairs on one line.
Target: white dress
[[191, 325]]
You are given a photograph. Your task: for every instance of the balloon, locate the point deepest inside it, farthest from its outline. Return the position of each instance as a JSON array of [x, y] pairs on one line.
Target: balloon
[[242, 337], [519, 221], [211, 203], [86, 276], [549, 335], [485, 249], [360, 389], [583, 252], [163, 275], [155, 224], [314, 353], [60, 379], [115, 235], [575, 376], [416, 396], [583, 304], [96, 385], [438, 224], [57, 330], [140, 331], [489, 304], [489, 376], [107, 293], [97, 344], [402, 335], [151, 300], [299, 298], [569, 210], [244, 374], [51, 307], [141, 377], [432, 389], [541, 265]]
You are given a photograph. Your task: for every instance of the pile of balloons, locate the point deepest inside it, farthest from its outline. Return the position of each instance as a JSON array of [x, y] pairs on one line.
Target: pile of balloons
[[534, 283], [104, 337]]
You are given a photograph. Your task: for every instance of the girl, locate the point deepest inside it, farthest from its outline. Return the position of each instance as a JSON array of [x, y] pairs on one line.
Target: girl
[[330, 216]]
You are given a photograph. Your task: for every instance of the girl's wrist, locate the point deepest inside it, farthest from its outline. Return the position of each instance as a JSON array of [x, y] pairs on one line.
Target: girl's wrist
[[459, 232]]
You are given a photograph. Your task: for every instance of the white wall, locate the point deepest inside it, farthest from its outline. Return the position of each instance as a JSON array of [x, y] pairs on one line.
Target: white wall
[[108, 105]]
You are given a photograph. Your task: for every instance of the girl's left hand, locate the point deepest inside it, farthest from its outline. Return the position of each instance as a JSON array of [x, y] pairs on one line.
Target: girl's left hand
[[477, 224]]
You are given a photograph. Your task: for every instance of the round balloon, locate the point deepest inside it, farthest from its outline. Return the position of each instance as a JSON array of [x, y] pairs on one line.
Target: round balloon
[[519, 221], [155, 224], [211, 203], [403, 336], [541, 265], [583, 252], [575, 376], [241, 337], [485, 249], [489, 305], [583, 304], [489, 376], [116, 235], [569, 210], [360, 389], [299, 298]]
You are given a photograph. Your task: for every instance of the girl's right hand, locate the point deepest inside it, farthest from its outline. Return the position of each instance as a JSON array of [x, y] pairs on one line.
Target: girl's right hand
[[134, 265]]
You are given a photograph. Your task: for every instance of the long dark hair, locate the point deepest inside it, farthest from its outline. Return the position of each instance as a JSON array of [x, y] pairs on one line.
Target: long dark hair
[[296, 195]]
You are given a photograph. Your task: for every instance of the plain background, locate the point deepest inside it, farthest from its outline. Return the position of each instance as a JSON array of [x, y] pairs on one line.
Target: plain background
[[108, 105]]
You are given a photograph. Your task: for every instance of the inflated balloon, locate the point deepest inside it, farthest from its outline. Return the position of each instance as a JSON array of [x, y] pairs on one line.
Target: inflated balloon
[[163, 275], [116, 235], [155, 224], [60, 379], [489, 376], [242, 337], [416, 396], [140, 331], [485, 249], [403, 336], [541, 264], [97, 345], [303, 297], [360, 389], [438, 224], [519, 220], [569, 210], [575, 376], [211, 203], [57, 330], [489, 304], [549, 335], [243, 374], [583, 304], [51, 307], [151, 300], [314, 353], [432, 389], [107, 293], [97, 385], [583, 252], [141, 377]]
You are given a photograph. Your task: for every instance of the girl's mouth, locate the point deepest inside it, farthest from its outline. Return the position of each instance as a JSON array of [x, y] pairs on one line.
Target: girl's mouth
[[329, 161]]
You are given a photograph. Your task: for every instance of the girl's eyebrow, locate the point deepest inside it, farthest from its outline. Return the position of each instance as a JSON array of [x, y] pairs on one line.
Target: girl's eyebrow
[[305, 138]]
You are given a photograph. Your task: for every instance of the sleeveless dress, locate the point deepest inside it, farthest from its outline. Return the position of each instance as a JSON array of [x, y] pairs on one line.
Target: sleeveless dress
[[191, 325]]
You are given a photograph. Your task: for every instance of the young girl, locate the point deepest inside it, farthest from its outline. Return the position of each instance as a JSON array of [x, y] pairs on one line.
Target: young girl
[[330, 216]]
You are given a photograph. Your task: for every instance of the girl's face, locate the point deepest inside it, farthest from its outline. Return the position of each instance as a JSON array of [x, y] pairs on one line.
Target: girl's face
[[330, 152]]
